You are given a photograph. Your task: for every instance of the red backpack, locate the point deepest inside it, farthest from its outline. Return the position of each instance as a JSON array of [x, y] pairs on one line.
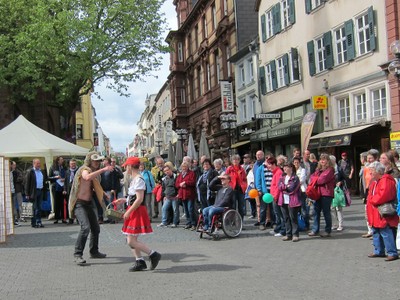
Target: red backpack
[[312, 190]]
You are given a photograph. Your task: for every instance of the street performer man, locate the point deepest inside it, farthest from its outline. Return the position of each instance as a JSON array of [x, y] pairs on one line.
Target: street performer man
[[81, 205]]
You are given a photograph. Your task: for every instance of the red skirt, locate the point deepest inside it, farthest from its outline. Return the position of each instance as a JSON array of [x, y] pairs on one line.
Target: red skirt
[[138, 222]]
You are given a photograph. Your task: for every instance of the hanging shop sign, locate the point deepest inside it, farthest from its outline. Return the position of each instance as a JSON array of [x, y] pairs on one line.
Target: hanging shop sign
[[319, 102]]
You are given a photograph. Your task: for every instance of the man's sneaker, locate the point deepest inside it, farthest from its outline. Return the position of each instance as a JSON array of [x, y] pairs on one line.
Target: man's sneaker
[[162, 225], [278, 234], [174, 226], [154, 259], [250, 217], [16, 224], [98, 255], [139, 265], [79, 260]]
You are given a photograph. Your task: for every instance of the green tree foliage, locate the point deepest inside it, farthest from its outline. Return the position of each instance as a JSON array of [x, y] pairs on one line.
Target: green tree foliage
[[66, 47]]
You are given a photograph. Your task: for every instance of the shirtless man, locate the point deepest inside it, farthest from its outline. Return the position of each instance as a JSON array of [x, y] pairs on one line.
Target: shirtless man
[[82, 207]]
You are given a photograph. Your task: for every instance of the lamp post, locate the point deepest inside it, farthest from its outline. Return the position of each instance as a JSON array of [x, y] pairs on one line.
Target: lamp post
[[228, 122], [394, 66], [158, 145], [181, 138], [143, 152]]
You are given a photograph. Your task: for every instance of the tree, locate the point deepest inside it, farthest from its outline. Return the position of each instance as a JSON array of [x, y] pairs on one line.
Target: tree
[[66, 47]]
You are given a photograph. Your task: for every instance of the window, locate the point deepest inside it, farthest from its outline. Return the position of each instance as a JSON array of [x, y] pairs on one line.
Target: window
[[228, 65], [252, 106], [196, 37], [379, 107], [242, 78], [361, 107], [340, 45], [217, 68], [363, 34], [280, 72], [344, 111], [268, 77], [225, 7], [243, 109], [208, 77], [315, 3], [205, 29], [269, 24], [183, 96], [287, 115], [180, 52], [250, 65], [320, 51], [214, 17], [201, 80], [189, 43], [285, 13]]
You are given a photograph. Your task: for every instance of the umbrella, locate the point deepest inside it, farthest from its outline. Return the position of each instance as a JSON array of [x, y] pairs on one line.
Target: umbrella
[[203, 148], [178, 153], [171, 153], [191, 149]]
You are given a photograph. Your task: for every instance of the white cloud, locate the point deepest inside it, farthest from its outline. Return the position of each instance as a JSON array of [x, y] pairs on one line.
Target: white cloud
[[118, 116]]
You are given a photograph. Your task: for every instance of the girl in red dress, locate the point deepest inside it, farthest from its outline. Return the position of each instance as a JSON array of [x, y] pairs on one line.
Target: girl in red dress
[[136, 219]]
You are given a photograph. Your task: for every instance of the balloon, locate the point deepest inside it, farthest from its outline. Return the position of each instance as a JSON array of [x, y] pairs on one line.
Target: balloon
[[268, 198], [253, 193]]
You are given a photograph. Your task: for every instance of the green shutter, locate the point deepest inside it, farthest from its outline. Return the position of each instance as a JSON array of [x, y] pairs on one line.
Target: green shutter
[[285, 60], [263, 28], [263, 83], [311, 57], [276, 15], [308, 6], [273, 75], [328, 49], [371, 24], [292, 12], [351, 49], [295, 64]]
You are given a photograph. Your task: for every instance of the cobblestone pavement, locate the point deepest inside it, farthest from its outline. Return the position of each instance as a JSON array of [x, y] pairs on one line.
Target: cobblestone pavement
[[38, 264]]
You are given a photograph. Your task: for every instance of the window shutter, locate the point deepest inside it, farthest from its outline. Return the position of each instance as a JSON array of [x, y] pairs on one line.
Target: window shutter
[[263, 28], [308, 6], [277, 18], [273, 75], [371, 24], [311, 57], [263, 83], [285, 60], [349, 31], [328, 49], [292, 12], [295, 64]]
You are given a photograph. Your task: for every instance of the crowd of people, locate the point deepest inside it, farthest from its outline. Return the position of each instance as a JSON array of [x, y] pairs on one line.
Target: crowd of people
[[178, 192]]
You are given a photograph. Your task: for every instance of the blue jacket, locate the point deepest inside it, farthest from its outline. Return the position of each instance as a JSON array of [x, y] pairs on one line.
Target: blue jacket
[[259, 180], [149, 179]]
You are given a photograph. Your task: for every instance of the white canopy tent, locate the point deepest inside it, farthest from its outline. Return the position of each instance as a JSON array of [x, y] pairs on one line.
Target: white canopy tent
[[21, 138]]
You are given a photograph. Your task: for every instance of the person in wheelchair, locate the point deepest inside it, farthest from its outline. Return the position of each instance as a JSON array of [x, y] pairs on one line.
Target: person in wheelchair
[[223, 199]]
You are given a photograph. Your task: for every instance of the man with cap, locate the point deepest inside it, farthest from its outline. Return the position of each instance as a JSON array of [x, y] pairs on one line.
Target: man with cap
[[223, 199], [346, 168], [81, 205]]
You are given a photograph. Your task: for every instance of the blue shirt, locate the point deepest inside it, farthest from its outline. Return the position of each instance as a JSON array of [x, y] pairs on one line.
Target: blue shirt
[[39, 178]]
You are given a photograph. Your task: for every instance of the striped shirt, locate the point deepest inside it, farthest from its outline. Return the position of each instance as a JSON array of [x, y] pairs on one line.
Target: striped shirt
[[268, 177]]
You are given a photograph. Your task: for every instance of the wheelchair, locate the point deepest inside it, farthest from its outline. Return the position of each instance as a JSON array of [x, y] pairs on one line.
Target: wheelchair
[[229, 221]]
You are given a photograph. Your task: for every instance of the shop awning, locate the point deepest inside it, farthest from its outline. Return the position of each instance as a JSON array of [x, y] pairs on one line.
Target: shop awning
[[335, 138], [285, 129], [260, 135], [238, 144]]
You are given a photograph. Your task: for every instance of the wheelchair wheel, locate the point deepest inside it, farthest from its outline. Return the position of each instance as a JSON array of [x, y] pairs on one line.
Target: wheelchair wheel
[[232, 223]]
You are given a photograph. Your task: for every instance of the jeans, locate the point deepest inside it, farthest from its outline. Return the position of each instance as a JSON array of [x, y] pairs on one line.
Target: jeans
[[165, 209], [203, 200], [85, 212], [263, 212], [291, 221], [324, 205], [208, 214], [37, 208], [279, 219], [148, 201], [239, 203], [383, 238], [188, 205]]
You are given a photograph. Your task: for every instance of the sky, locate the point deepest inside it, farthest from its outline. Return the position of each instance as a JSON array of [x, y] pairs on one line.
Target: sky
[[117, 115]]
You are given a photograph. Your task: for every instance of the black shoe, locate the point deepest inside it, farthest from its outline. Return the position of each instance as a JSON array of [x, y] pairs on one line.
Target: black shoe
[[79, 260], [154, 259], [257, 224], [55, 222], [98, 255], [64, 222], [40, 225], [155, 216], [35, 226], [268, 225], [139, 265]]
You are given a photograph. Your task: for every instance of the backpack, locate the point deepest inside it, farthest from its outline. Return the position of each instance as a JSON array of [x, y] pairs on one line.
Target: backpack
[[312, 190]]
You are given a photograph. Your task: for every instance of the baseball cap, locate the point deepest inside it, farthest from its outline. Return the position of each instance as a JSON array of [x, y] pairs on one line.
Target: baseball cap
[[96, 157], [132, 160], [344, 154]]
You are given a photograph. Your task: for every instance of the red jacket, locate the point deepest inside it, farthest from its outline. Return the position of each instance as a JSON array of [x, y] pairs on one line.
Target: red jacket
[[381, 191], [326, 181], [276, 175], [238, 177], [188, 192]]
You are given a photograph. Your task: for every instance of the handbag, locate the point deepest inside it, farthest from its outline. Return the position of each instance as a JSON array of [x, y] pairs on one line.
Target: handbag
[[312, 190], [387, 209]]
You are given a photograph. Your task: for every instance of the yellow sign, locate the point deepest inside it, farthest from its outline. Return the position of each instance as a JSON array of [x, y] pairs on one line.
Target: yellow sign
[[319, 102], [395, 136]]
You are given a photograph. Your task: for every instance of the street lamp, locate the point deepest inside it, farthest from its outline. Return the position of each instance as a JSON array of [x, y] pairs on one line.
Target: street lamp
[[181, 138], [228, 122], [394, 66], [158, 145], [143, 152]]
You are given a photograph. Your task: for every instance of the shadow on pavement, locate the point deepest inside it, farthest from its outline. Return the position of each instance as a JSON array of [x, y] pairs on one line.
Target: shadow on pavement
[[200, 268]]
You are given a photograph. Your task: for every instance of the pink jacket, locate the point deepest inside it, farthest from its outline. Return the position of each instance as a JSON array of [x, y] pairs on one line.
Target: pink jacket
[[292, 189], [326, 181], [276, 175]]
